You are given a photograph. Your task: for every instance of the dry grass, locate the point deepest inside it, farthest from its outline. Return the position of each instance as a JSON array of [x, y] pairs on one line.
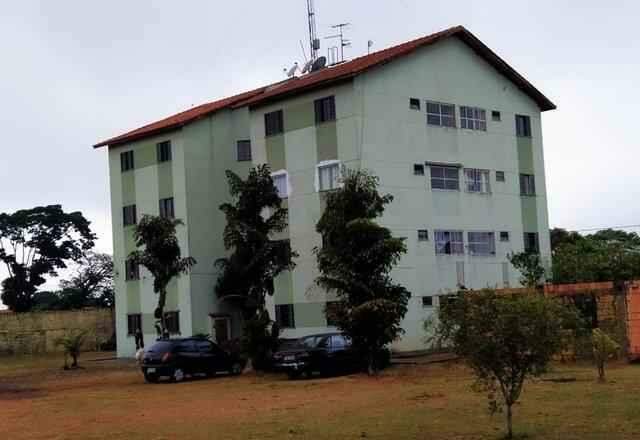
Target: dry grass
[[109, 400]]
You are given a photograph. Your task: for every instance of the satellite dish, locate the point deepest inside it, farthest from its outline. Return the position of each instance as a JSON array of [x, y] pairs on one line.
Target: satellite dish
[[318, 64], [293, 70], [307, 66]]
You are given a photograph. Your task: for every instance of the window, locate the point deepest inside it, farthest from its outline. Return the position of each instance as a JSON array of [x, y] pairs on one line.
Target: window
[[495, 115], [134, 323], [280, 181], [473, 118], [205, 347], [129, 216], [477, 181], [243, 151], [172, 322], [328, 176], [427, 301], [164, 151], [449, 242], [284, 316], [504, 236], [523, 126], [414, 103], [423, 235], [339, 341], [441, 114], [330, 310], [418, 169], [531, 245], [481, 243], [166, 208], [126, 161], [325, 109], [131, 270], [273, 123], [499, 176], [527, 185], [443, 177]]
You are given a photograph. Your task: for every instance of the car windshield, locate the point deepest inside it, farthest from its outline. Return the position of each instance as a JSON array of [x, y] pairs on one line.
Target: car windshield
[[160, 347], [309, 341]]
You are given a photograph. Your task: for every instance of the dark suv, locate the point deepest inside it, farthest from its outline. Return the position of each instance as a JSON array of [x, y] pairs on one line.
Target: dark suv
[[326, 353], [176, 358]]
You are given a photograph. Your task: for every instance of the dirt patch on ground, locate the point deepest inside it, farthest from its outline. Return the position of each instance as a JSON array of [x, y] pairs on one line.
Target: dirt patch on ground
[[10, 391]]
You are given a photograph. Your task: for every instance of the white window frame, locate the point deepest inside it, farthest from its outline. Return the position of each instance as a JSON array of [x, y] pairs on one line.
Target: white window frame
[[475, 245], [444, 177], [326, 164], [443, 237], [473, 118], [440, 115], [477, 181], [279, 174]]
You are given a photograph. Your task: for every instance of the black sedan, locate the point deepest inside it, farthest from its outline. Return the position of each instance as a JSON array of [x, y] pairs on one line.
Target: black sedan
[[326, 353], [177, 358]]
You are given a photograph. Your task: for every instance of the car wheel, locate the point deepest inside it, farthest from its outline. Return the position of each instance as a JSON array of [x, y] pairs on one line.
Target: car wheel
[[151, 377], [178, 375], [236, 369]]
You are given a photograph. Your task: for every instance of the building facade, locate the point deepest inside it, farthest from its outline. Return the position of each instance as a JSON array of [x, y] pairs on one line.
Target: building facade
[[453, 133]]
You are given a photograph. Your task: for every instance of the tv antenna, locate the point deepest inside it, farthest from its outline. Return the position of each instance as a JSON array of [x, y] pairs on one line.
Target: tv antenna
[[314, 42], [343, 41]]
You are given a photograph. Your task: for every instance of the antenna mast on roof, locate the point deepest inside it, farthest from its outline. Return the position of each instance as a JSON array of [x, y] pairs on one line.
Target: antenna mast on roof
[[343, 42], [314, 42]]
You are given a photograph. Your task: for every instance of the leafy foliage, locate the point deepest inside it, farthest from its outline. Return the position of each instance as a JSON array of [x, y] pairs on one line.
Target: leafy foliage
[[607, 255], [355, 261], [159, 252], [72, 343], [253, 218], [603, 348], [504, 339], [36, 243], [530, 266]]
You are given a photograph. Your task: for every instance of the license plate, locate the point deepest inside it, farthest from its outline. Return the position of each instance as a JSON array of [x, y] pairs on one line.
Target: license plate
[[151, 370], [289, 358]]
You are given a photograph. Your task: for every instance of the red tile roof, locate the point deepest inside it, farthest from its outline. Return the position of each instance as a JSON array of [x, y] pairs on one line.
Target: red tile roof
[[331, 75]]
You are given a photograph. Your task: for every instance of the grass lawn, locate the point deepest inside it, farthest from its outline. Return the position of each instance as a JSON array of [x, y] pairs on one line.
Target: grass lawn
[[109, 400]]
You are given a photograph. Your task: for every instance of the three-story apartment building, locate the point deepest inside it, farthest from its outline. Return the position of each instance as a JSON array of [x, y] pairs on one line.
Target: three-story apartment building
[[450, 128]]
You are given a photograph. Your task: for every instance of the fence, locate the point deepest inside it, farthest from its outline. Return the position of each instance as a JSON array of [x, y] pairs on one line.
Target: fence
[[30, 333]]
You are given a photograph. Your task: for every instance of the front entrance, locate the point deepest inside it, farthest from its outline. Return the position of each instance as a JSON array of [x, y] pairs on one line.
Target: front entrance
[[221, 328]]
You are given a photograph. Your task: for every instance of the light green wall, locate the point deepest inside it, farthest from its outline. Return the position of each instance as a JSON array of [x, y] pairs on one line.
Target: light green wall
[[299, 115], [165, 180], [526, 165], [309, 314], [275, 152], [327, 141]]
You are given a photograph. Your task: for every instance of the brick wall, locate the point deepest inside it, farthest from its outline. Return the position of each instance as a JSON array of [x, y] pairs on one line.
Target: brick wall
[[36, 332]]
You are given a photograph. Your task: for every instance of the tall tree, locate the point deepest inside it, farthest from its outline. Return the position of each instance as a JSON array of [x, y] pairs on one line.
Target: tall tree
[[254, 218], [159, 252], [91, 285], [355, 261], [36, 243], [504, 339], [530, 267]]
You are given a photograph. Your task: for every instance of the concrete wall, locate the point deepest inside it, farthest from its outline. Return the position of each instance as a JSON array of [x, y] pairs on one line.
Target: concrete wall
[[37, 332]]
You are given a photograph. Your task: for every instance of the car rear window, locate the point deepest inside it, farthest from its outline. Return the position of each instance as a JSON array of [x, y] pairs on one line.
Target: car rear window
[[160, 347]]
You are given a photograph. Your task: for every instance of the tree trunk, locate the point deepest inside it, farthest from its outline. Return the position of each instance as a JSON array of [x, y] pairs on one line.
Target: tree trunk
[[509, 422], [74, 364], [371, 364], [601, 375], [162, 298]]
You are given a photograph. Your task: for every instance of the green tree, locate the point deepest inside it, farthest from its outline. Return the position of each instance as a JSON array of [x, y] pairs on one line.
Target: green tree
[[159, 252], [254, 218], [504, 339], [530, 266], [36, 243], [91, 285], [560, 236], [355, 261], [603, 348], [71, 344]]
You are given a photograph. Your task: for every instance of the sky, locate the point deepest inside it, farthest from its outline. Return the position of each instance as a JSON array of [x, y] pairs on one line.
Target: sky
[[74, 73]]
